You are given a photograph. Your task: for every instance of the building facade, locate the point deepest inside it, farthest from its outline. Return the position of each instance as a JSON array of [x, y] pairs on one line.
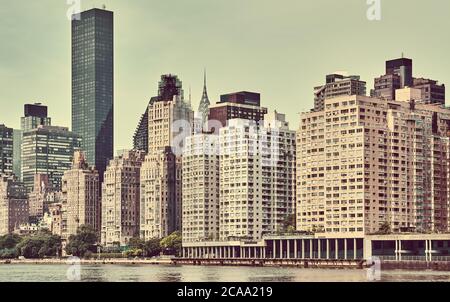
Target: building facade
[[140, 137], [158, 205], [239, 105], [200, 206], [81, 203], [170, 120], [121, 199], [13, 204], [337, 85], [366, 162], [47, 150], [35, 115], [257, 168], [432, 91], [38, 197], [6, 150], [93, 84]]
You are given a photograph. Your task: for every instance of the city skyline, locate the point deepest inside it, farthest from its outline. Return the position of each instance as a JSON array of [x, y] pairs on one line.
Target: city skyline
[[142, 58]]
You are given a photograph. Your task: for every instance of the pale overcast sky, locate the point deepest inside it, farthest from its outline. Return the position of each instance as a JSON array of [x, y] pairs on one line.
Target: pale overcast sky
[[281, 49]]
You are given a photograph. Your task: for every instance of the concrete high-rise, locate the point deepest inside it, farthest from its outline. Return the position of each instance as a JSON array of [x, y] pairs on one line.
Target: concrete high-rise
[[159, 204], [170, 120], [81, 203], [13, 204], [257, 171], [121, 199], [93, 85], [200, 206], [363, 162], [47, 150], [6, 150], [336, 85]]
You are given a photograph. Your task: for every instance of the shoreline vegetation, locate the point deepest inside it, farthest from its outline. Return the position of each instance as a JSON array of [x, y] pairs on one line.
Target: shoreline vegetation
[[45, 247]]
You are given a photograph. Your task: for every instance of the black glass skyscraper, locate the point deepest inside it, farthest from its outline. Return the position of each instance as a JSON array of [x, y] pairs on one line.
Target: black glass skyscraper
[[93, 84]]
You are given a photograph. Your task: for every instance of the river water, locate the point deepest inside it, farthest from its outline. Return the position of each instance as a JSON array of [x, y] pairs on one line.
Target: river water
[[169, 273]]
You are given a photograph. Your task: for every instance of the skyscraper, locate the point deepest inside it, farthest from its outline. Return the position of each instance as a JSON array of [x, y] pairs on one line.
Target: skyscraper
[[203, 108], [34, 115], [47, 150], [93, 85], [170, 120], [6, 149]]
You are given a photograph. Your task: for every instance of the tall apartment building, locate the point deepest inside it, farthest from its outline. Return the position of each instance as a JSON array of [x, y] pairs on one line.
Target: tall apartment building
[[6, 150], [93, 84], [257, 168], [81, 203], [38, 197], [363, 162], [170, 120], [200, 205], [337, 85], [47, 150], [158, 206], [13, 204], [121, 199], [238, 105]]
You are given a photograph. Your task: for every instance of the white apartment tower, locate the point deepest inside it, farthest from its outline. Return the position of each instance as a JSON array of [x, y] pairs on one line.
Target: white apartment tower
[[201, 188], [121, 199], [257, 168], [363, 162]]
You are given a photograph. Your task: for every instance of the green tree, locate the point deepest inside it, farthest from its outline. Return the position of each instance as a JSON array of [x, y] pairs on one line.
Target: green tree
[[288, 224], [152, 247], [136, 243], [43, 244], [83, 243], [9, 241], [171, 245], [385, 228]]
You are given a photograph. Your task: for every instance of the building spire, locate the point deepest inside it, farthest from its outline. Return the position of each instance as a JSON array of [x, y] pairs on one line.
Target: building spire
[[205, 91], [203, 108]]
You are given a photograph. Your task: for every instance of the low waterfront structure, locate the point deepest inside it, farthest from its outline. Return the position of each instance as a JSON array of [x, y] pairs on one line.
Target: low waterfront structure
[[401, 247]]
